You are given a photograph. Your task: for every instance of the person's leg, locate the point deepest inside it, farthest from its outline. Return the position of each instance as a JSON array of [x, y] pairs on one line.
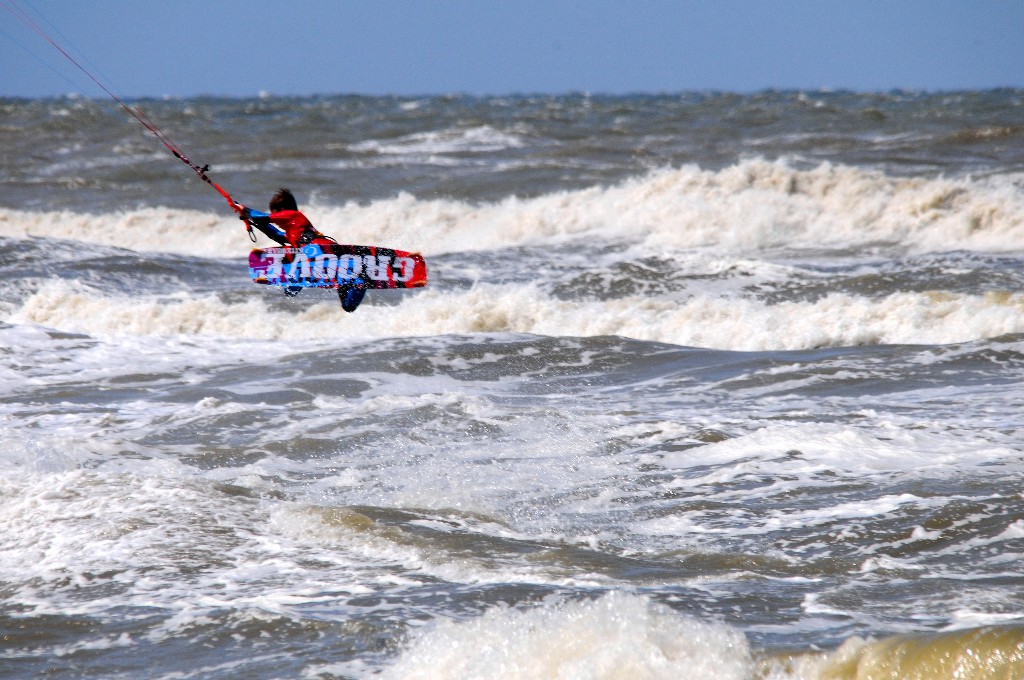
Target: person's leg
[[351, 296]]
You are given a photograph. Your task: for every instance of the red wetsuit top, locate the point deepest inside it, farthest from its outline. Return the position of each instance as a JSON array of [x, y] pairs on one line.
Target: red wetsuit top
[[288, 227]]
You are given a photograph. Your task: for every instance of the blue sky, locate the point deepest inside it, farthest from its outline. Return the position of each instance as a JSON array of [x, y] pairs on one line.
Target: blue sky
[[411, 47]]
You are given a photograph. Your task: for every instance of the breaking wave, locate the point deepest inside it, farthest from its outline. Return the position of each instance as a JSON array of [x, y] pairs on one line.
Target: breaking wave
[[754, 204]]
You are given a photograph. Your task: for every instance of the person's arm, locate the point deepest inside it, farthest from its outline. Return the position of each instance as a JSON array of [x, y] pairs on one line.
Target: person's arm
[[261, 221]]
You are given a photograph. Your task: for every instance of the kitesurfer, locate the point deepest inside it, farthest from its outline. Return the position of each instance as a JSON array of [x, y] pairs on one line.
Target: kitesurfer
[[286, 225]]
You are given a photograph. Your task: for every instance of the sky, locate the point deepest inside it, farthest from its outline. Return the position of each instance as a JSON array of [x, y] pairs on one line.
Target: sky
[[179, 48]]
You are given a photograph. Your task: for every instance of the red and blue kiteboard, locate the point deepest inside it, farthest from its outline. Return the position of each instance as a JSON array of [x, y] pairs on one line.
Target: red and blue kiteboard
[[335, 265]]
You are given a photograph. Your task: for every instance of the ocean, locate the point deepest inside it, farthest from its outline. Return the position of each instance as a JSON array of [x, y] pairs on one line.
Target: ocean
[[703, 385]]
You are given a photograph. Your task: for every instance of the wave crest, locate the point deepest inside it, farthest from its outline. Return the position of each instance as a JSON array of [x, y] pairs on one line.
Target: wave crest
[[751, 205]]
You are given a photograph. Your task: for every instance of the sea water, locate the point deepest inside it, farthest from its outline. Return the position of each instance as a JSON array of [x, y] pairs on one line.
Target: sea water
[[703, 385]]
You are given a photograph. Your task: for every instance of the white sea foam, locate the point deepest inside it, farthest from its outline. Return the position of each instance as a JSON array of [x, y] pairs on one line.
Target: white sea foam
[[147, 230], [616, 636], [703, 321], [752, 205], [808, 449], [789, 459], [134, 535], [437, 142]]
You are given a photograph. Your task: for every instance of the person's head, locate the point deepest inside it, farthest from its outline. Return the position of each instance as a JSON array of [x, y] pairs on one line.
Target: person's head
[[283, 200]]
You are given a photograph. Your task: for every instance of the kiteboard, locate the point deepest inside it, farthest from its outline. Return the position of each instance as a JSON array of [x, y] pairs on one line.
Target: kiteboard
[[335, 265]]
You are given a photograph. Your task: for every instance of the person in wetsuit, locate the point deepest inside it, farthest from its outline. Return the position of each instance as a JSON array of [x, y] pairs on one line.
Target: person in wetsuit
[[286, 225]]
